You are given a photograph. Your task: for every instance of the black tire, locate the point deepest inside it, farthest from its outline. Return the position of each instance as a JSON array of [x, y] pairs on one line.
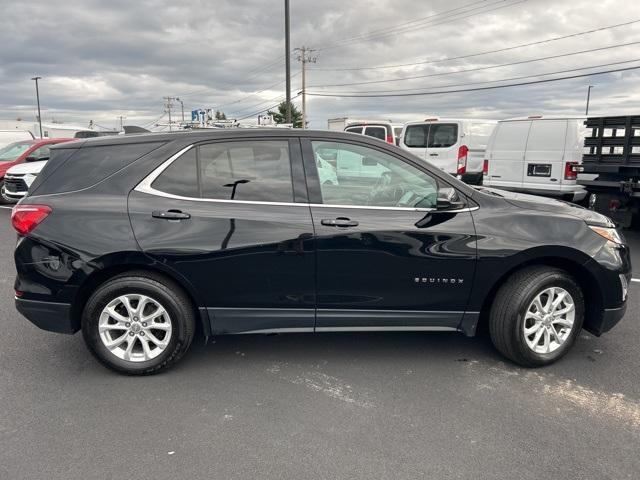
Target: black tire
[[166, 293], [507, 316]]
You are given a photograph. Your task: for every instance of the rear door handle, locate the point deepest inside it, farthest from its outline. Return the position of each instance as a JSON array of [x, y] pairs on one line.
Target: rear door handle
[[170, 215], [339, 222]]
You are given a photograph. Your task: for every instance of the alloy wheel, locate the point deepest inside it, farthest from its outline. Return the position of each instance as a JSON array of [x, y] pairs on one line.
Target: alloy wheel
[[135, 327], [549, 320]]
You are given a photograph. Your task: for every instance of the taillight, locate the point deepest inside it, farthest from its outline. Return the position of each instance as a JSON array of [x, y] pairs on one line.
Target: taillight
[[391, 140], [569, 171], [462, 159], [25, 218], [485, 167]]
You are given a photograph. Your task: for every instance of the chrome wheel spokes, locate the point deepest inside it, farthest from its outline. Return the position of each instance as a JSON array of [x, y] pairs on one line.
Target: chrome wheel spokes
[[549, 320], [135, 327]]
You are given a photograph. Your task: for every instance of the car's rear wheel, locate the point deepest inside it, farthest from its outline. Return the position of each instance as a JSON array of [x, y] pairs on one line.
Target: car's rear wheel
[[138, 323], [536, 316]]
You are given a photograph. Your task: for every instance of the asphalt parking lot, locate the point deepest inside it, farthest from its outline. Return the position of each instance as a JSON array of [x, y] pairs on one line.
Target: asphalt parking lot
[[370, 406]]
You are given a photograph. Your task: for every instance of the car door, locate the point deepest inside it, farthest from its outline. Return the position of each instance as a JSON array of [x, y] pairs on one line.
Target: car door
[[385, 258], [442, 146], [506, 155], [231, 218], [544, 157]]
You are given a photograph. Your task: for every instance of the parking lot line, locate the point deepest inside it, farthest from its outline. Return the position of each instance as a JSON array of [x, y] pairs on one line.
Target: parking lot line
[[4, 206], [635, 279]]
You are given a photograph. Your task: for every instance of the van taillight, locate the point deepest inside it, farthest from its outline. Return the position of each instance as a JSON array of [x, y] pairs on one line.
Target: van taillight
[[569, 171], [462, 159], [25, 218], [485, 167], [391, 140]]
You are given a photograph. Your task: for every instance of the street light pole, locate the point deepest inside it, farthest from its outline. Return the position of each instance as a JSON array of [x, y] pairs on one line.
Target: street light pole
[[588, 97], [182, 107], [287, 61], [38, 100]]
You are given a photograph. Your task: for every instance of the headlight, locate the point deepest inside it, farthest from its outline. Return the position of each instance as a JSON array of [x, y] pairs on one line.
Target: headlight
[[610, 234]]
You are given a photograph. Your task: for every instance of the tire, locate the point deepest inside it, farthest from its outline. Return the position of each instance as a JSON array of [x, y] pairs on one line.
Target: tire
[[167, 335], [3, 200], [509, 317]]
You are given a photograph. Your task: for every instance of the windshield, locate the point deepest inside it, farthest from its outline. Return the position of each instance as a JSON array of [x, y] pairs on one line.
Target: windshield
[[13, 151]]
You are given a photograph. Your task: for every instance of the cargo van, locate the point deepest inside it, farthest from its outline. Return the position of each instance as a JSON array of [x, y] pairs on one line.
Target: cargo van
[[536, 155], [456, 146], [385, 131]]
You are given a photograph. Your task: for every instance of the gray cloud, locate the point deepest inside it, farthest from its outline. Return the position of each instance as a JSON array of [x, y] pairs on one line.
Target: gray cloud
[[102, 59]]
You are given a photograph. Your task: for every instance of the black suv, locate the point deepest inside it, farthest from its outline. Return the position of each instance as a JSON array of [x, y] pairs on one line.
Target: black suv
[[141, 240]]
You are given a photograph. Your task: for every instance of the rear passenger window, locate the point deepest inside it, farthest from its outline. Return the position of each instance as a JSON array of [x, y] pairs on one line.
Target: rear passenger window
[[415, 136], [443, 135], [353, 130], [181, 177], [250, 171], [376, 132]]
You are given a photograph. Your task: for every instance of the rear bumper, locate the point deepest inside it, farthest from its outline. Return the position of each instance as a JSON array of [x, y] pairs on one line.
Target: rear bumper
[[51, 316]]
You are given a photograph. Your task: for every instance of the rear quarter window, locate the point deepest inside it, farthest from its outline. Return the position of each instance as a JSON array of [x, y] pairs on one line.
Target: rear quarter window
[[76, 169]]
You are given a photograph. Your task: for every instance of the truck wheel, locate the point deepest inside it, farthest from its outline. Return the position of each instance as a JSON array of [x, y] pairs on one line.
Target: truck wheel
[[138, 323], [536, 316]]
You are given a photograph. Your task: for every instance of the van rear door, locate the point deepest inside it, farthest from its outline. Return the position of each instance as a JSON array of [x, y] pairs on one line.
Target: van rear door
[[506, 154], [544, 158], [442, 146]]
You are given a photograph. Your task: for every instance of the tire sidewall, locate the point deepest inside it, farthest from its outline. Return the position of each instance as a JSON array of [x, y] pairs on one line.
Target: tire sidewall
[[110, 291], [555, 279]]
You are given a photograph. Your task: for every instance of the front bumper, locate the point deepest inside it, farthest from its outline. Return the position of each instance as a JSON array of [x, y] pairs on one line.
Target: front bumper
[[610, 318], [51, 316]]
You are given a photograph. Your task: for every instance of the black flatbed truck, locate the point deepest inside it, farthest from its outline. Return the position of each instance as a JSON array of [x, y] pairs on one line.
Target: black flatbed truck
[[612, 151]]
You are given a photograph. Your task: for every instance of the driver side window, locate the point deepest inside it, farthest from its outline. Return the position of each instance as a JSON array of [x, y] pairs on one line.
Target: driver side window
[[362, 176]]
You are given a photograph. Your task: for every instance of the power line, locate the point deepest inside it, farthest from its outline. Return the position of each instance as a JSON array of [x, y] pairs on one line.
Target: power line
[[437, 22], [466, 84], [538, 42], [477, 69], [386, 29], [266, 109], [365, 95]]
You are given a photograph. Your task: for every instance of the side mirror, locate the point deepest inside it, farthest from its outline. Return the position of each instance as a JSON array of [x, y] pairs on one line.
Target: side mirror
[[444, 204], [369, 162]]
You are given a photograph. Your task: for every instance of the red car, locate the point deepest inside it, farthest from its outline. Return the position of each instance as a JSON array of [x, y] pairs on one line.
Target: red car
[[25, 151]]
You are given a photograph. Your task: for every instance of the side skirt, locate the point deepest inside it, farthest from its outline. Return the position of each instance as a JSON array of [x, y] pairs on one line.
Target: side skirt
[[293, 320]]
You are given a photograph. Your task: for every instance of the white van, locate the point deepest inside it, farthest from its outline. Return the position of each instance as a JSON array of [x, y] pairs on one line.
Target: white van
[[456, 146], [536, 155], [10, 136]]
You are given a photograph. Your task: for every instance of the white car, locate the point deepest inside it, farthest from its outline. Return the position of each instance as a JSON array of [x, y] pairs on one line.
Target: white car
[[456, 146], [19, 178], [537, 155]]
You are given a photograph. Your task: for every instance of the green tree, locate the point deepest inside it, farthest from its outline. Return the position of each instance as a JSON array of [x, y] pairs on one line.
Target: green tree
[[220, 115], [280, 116]]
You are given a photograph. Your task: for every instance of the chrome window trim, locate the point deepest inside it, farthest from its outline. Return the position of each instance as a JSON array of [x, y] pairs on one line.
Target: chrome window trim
[[145, 187]]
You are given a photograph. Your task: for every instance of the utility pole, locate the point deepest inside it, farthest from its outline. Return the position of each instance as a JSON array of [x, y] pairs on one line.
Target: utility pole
[[287, 61], [121, 118], [182, 107], [588, 97], [168, 105], [38, 100], [305, 56]]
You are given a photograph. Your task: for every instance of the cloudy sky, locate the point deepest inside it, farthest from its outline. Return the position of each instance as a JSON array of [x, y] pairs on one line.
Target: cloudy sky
[[102, 59]]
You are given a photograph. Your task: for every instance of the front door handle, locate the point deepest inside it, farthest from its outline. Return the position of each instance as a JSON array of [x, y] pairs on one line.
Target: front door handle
[[339, 222], [170, 215]]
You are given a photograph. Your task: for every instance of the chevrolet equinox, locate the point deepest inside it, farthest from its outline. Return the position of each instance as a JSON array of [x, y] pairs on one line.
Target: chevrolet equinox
[[141, 240]]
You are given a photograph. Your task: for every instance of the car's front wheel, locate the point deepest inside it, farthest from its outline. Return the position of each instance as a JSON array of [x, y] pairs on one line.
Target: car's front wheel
[[536, 316], [138, 323]]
